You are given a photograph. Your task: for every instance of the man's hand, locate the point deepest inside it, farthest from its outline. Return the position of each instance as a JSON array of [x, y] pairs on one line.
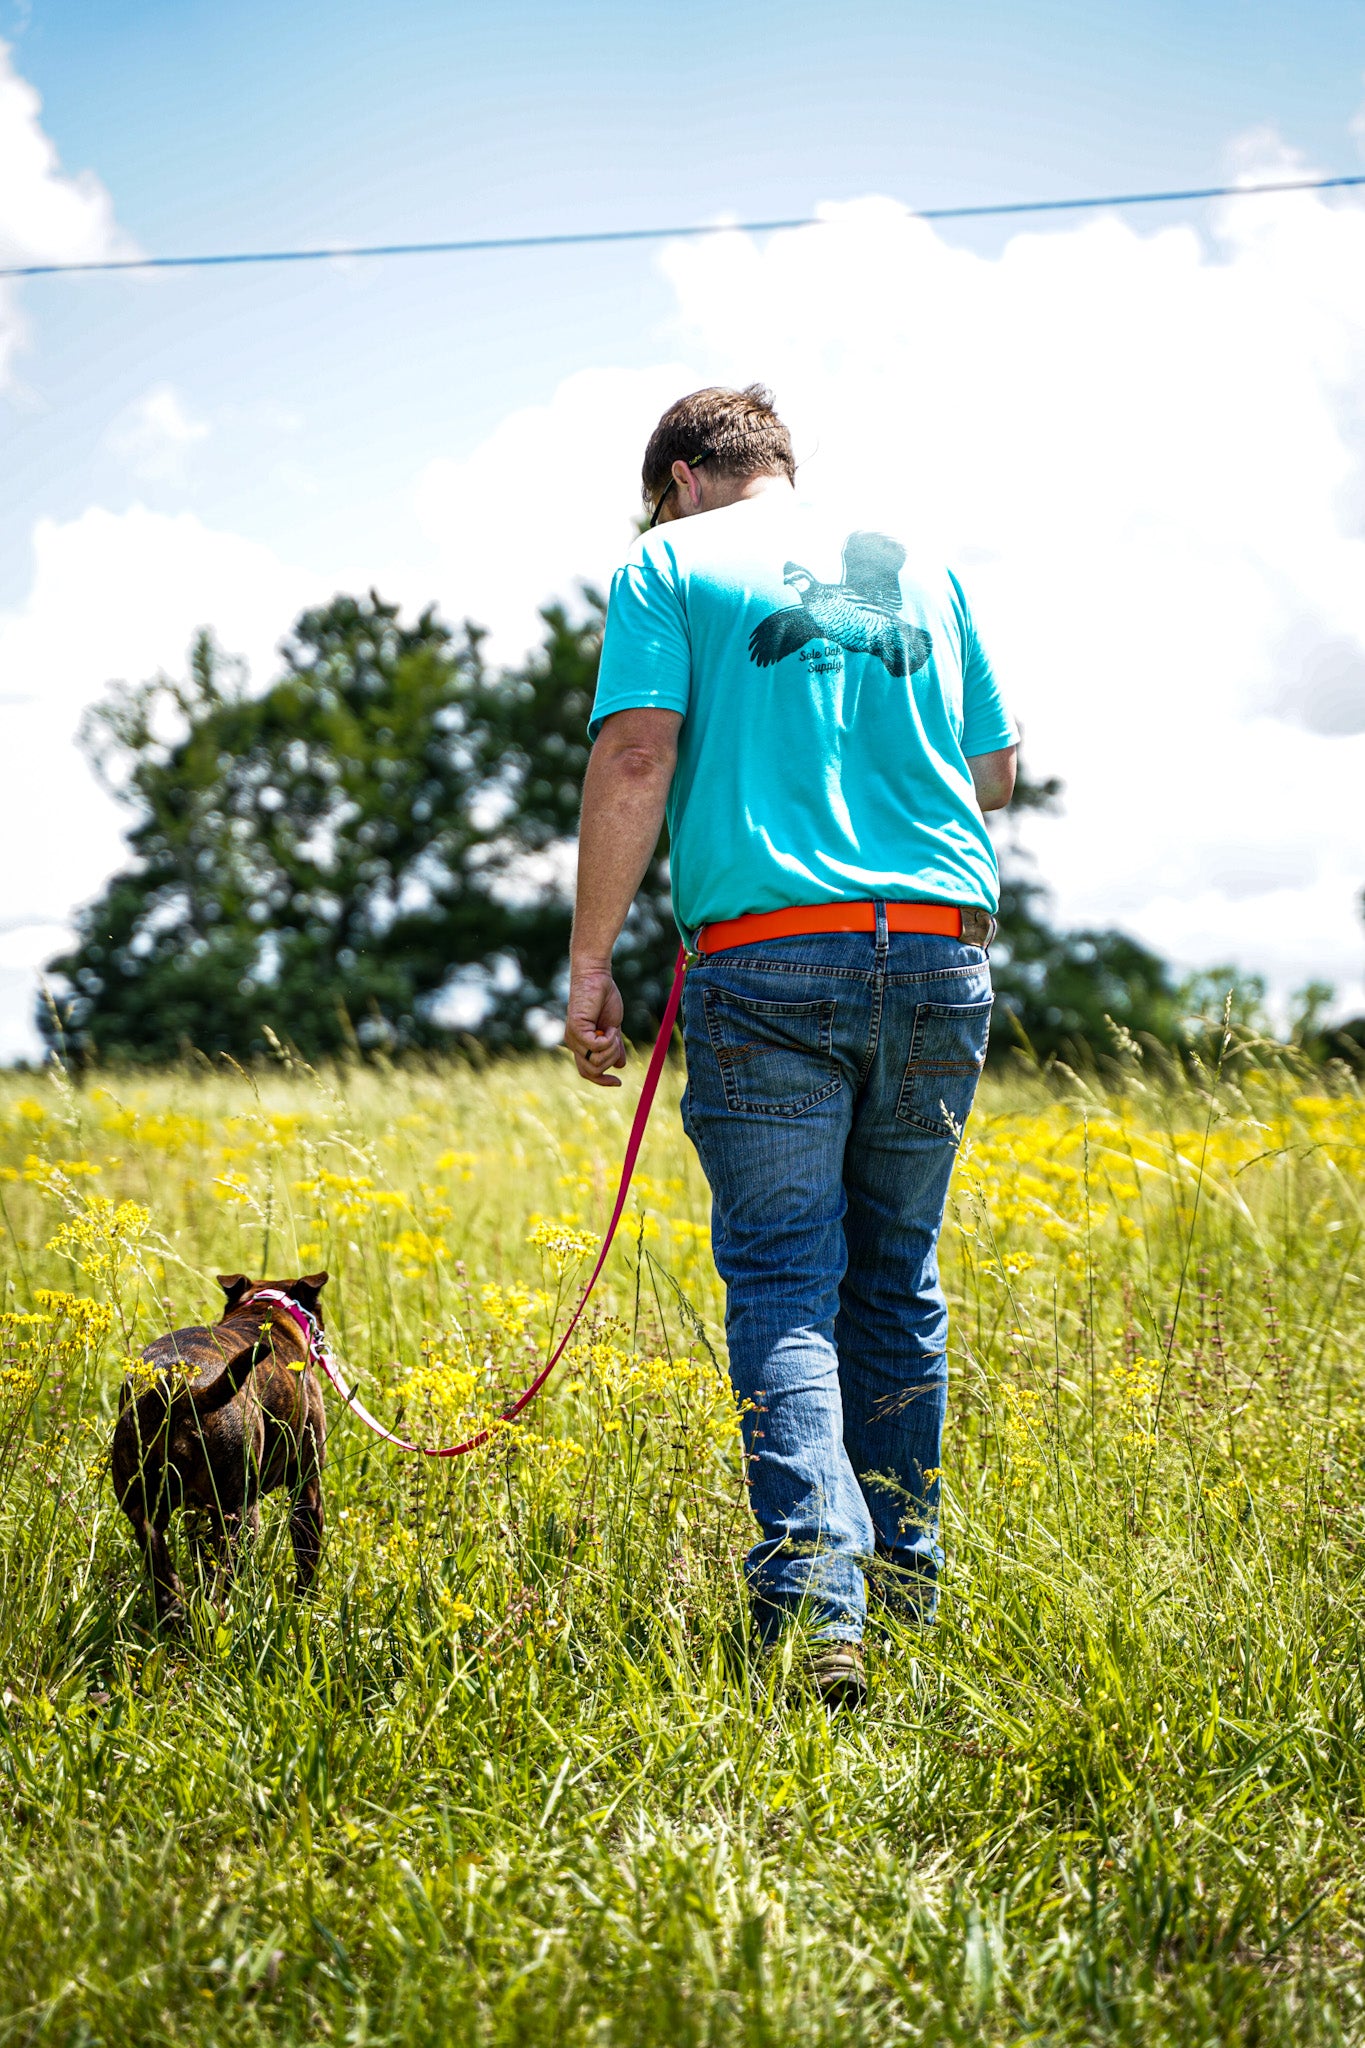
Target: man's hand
[[592, 1028]]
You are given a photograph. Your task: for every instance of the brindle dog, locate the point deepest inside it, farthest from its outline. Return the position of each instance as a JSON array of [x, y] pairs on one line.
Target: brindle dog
[[231, 1417]]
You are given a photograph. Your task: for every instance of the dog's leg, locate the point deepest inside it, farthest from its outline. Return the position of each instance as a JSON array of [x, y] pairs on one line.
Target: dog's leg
[[305, 1527], [227, 1538], [234, 1526], [305, 1491], [170, 1594], [166, 1587], [223, 1550]]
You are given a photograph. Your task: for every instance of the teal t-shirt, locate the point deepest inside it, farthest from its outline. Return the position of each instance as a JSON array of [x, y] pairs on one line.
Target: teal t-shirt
[[831, 695]]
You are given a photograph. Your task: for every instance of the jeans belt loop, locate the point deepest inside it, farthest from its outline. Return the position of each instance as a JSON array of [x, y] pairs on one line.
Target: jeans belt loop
[[883, 931]]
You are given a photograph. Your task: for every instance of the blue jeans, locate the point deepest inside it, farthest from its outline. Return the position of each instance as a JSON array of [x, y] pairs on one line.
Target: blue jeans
[[828, 1081]]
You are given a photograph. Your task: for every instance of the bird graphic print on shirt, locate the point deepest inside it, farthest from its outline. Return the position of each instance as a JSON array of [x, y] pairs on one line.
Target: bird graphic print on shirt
[[860, 614]]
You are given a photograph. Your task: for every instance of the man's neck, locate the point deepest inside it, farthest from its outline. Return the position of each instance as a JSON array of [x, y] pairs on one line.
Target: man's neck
[[738, 490], [706, 493]]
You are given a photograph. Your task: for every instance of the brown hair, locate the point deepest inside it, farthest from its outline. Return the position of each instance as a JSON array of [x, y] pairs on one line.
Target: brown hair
[[740, 428]]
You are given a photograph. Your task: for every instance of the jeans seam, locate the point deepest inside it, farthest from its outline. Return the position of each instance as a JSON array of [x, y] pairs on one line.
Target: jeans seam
[[878, 999], [873, 1032], [807, 967], [952, 1010], [938, 974]]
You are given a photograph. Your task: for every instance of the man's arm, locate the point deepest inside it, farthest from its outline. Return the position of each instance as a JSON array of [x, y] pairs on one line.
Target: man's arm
[[624, 793], [993, 777]]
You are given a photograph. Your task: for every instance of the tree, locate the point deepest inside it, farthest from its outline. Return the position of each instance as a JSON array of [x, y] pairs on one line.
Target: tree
[[377, 851], [541, 737], [1059, 990], [321, 859]]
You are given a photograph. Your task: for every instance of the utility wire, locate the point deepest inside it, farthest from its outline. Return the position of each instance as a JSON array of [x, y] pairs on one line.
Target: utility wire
[[600, 236]]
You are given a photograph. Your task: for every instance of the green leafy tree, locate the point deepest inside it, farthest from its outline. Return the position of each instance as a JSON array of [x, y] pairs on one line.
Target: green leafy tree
[[1058, 992], [541, 741], [319, 861], [377, 852]]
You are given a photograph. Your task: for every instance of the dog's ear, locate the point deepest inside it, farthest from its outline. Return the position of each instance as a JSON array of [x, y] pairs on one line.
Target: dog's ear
[[234, 1286], [308, 1288]]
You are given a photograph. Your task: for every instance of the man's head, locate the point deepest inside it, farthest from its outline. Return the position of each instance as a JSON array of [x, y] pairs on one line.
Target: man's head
[[713, 447]]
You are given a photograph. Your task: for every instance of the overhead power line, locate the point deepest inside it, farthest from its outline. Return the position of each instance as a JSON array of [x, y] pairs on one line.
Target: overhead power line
[[600, 236]]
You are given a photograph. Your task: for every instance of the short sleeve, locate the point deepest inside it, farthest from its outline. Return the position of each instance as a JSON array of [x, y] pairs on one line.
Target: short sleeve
[[986, 724], [646, 648]]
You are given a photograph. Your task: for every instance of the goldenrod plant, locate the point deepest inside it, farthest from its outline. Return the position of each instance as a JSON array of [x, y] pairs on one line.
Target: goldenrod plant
[[513, 1775]]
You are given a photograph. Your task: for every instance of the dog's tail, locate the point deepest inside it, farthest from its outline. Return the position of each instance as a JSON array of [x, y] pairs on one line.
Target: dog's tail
[[241, 1352], [187, 1359]]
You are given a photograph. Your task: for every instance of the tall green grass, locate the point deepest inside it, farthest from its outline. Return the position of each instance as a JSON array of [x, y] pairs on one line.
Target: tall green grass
[[509, 1776]]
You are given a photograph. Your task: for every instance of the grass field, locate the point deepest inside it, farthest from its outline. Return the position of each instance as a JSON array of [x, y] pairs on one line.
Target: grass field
[[506, 1778]]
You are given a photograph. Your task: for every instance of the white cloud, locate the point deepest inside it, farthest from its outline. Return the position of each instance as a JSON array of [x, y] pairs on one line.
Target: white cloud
[[113, 596], [155, 434], [1143, 447], [1320, 680], [545, 502], [46, 216], [1145, 452]]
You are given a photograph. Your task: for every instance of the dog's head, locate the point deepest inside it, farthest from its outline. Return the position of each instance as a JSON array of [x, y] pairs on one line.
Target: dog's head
[[237, 1287]]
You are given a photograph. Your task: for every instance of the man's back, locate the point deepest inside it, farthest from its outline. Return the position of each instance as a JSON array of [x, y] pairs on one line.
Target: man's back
[[830, 698]]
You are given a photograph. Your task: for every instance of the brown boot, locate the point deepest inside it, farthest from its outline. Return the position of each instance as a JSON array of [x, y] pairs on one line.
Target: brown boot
[[834, 1672], [837, 1673]]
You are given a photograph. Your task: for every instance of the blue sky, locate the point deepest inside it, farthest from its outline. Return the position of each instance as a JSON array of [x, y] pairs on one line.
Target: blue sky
[[244, 441], [230, 127]]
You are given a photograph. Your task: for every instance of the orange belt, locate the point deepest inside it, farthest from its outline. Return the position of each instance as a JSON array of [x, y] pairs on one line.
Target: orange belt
[[945, 919]]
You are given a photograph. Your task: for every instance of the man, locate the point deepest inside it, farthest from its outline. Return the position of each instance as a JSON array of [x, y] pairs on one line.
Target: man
[[816, 715]]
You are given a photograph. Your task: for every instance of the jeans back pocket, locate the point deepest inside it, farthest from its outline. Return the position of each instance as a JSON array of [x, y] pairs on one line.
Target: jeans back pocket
[[947, 1052], [775, 1059]]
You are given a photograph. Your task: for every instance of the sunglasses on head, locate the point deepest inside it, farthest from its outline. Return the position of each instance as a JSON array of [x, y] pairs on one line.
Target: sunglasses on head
[[694, 462]]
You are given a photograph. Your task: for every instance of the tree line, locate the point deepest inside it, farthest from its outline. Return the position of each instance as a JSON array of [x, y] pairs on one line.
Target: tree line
[[374, 854]]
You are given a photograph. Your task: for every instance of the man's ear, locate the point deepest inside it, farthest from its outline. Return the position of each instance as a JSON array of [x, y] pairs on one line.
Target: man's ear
[[688, 484], [308, 1288], [234, 1286]]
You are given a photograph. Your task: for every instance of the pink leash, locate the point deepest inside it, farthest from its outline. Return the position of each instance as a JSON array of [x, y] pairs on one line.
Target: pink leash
[[316, 1342]]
